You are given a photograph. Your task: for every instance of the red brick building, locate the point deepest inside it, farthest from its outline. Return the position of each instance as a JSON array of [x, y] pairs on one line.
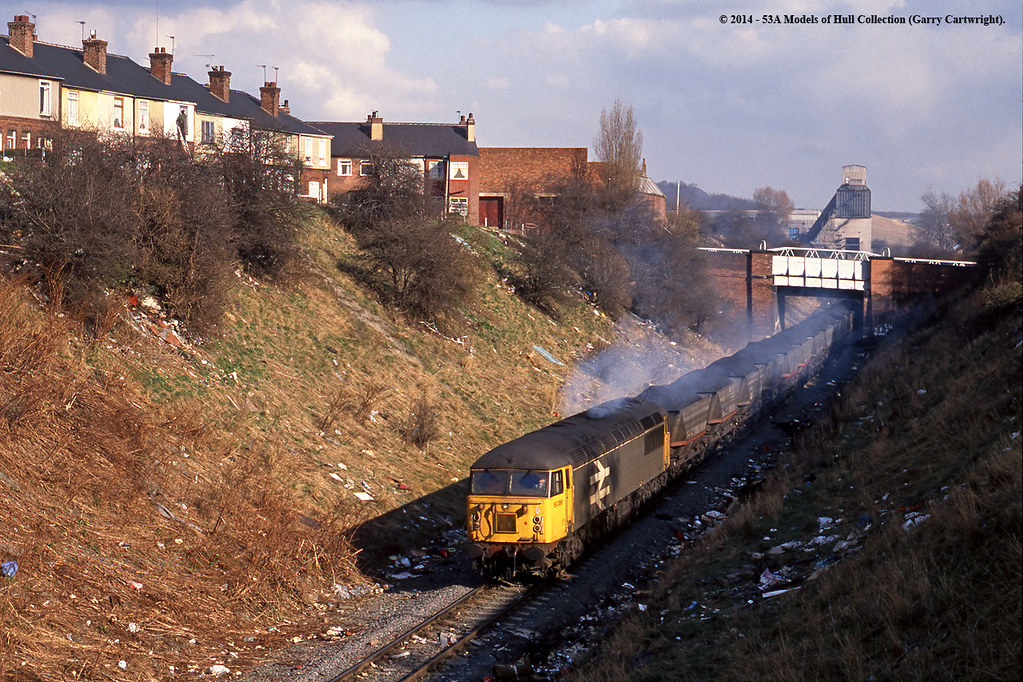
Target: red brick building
[[508, 174]]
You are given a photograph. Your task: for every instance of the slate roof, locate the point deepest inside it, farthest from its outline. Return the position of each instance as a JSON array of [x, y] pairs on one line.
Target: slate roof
[[127, 77], [414, 139]]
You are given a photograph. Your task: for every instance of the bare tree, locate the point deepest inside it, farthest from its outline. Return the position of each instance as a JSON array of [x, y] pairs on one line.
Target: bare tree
[[619, 144], [933, 230], [973, 211]]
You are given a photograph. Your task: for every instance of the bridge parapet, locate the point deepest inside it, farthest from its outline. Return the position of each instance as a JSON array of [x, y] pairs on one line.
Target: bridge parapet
[[821, 268]]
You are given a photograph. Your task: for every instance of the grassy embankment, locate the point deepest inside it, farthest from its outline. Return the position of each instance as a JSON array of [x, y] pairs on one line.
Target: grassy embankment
[[918, 465], [174, 507]]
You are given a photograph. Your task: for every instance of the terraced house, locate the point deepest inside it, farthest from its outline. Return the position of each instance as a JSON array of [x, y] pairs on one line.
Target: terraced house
[[444, 154], [45, 87]]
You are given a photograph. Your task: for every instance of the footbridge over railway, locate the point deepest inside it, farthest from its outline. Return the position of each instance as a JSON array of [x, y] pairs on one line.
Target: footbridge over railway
[[761, 282]]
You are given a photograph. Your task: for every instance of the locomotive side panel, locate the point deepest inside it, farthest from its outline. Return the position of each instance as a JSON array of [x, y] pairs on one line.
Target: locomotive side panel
[[603, 482]]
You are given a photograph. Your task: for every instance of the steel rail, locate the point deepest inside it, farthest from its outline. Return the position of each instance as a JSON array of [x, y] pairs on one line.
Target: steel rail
[[394, 643]]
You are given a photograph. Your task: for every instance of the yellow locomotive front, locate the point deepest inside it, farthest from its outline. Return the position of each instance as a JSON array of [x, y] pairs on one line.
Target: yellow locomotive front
[[517, 515]]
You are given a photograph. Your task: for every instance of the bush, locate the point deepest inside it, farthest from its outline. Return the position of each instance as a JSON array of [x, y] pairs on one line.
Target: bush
[[427, 272]]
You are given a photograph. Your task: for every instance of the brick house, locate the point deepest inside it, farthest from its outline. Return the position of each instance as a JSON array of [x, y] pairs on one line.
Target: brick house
[[507, 174], [445, 154], [44, 87]]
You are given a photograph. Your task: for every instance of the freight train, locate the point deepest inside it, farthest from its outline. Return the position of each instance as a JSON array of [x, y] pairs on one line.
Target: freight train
[[537, 501]]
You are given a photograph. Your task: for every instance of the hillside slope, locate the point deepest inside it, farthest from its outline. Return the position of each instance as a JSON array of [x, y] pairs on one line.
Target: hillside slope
[[171, 503], [886, 546]]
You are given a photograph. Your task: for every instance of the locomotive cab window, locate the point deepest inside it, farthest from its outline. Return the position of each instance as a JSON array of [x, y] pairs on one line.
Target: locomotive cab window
[[557, 486], [530, 483], [489, 482]]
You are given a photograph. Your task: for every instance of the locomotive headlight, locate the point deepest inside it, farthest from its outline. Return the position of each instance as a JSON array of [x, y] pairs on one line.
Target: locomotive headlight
[[504, 507], [537, 520], [536, 528], [475, 516]]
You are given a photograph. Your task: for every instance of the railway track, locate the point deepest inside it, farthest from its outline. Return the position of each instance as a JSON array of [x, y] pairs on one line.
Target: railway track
[[415, 652]]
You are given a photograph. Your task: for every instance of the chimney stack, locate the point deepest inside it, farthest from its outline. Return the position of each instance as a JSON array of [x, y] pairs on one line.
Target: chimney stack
[[220, 83], [22, 34], [470, 128], [376, 127], [160, 65], [285, 108], [270, 98], [95, 52]]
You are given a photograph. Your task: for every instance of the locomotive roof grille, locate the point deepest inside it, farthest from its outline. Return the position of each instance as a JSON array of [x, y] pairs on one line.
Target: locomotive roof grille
[[577, 439]]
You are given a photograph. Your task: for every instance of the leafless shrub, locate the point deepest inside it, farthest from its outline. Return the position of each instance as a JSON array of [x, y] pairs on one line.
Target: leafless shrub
[[427, 272], [423, 423], [367, 398], [336, 406]]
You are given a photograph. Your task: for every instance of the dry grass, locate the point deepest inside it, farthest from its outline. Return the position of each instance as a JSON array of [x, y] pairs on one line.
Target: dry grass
[[172, 507], [932, 425]]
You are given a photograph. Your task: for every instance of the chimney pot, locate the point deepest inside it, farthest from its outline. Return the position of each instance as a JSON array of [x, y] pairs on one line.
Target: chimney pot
[[95, 53], [376, 127], [270, 98], [22, 34], [220, 83], [160, 65]]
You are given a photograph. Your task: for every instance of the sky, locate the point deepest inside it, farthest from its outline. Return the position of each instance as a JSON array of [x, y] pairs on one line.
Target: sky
[[727, 95]]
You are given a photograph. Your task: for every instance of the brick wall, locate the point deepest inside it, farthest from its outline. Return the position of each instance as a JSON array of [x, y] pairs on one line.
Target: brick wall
[[503, 168], [896, 284]]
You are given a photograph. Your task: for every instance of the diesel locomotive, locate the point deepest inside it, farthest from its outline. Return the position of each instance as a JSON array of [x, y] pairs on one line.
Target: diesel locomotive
[[537, 501]]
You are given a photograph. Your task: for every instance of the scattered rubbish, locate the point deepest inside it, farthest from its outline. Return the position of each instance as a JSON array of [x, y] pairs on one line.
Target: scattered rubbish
[[922, 391], [123, 665], [218, 669], [365, 497], [446, 638], [134, 585], [775, 593], [9, 568], [548, 356], [398, 484], [400, 654], [767, 578], [913, 519], [133, 628]]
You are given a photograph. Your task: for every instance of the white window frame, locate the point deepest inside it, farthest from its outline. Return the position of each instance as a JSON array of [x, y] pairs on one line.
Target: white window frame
[[26, 139], [72, 110], [143, 115], [208, 132], [435, 169], [45, 100], [458, 205], [344, 167], [118, 106], [365, 167], [455, 166], [309, 150]]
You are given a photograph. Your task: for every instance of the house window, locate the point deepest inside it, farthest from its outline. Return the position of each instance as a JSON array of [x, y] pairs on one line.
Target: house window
[[44, 98], [365, 168], [459, 205], [118, 112], [435, 169], [209, 133], [308, 150], [12, 138], [287, 144], [143, 115], [183, 121], [459, 170], [344, 166], [72, 109], [26, 140], [314, 189], [322, 158]]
